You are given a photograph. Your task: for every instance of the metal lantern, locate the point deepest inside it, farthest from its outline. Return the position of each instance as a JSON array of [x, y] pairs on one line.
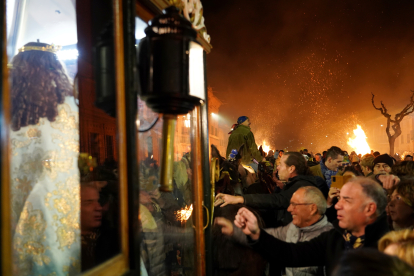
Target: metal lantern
[[165, 57], [171, 74]]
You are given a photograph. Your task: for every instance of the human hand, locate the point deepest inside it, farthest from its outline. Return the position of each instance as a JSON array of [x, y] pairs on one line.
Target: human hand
[[247, 222], [388, 181], [226, 226], [223, 200], [333, 192], [280, 184]]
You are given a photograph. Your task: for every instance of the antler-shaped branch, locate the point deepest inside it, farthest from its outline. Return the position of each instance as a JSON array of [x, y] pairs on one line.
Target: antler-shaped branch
[[383, 109], [406, 110]]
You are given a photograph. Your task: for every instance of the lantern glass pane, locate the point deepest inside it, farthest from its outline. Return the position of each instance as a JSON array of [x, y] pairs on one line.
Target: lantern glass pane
[[197, 85]]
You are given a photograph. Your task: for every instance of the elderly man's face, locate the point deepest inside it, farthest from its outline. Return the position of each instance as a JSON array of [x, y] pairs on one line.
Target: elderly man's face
[[351, 207], [91, 210], [300, 209], [333, 164], [382, 168]]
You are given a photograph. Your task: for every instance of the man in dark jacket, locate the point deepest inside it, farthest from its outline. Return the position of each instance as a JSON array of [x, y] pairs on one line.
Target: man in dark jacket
[[361, 223], [292, 169]]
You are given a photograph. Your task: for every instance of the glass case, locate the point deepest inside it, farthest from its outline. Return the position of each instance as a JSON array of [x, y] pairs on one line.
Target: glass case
[[81, 152]]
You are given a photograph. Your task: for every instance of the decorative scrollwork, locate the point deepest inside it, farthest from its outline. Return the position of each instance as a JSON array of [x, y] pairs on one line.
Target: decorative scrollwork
[[193, 11]]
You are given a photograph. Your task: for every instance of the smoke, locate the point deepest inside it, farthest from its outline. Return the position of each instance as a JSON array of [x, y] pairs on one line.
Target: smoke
[[304, 71]]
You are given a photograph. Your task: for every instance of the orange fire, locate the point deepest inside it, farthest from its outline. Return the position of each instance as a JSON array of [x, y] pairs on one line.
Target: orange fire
[[266, 148], [359, 144], [185, 213]]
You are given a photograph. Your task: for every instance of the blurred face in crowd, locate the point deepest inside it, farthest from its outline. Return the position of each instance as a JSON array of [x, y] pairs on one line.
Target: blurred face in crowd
[[247, 122], [280, 153], [382, 168], [354, 208], [91, 210], [400, 212], [408, 158], [333, 164], [318, 158], [303, 213], [285, 171], [366, 170], [349, 173]]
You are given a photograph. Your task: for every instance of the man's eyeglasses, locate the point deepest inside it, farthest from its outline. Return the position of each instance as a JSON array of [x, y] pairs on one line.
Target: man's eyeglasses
[[296, 204]]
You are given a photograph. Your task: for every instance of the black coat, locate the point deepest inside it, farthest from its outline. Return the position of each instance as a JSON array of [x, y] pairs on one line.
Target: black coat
[[324, 250], [280, 201]]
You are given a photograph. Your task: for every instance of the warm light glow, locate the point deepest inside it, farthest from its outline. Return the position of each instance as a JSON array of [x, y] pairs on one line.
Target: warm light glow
[[71, 54], [214, 115], [187, 121], [266, 148], [359, 144], [185, 213], [197, 71]]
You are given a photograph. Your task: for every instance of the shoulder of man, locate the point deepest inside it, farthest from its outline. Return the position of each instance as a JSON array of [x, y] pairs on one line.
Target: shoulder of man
[[303, 180]]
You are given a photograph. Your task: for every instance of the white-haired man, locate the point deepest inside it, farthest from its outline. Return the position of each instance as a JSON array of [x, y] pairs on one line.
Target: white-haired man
[[307, 207], [361, 223]]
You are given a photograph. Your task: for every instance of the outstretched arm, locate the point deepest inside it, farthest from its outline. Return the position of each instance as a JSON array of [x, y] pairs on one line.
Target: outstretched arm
[[301, 254]]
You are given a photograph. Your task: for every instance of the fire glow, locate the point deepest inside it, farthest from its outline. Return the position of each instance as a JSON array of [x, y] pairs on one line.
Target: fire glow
[[266, 148], [359, 144], [185, 213]]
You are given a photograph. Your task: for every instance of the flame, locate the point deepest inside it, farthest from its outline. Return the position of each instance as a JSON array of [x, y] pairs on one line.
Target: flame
[[359, 144], [266, 148], [185, 213]]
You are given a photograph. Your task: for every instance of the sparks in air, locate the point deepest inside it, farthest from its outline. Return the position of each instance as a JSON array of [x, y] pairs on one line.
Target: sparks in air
[[359, 144]]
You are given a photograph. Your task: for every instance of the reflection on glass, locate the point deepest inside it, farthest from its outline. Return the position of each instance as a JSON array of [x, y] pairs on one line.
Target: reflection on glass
[[166, 217], [65, 204], [44, 170]]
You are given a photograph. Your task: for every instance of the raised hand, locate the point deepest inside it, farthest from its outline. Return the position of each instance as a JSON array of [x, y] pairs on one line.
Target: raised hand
[[388, 181], [247, 222], [223, 200], [333, 192], [226, 226]]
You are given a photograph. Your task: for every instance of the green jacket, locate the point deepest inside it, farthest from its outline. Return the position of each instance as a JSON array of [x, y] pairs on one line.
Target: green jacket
[[243, 135]]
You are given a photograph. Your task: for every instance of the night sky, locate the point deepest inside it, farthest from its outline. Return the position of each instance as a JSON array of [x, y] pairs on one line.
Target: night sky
[[302, 70]]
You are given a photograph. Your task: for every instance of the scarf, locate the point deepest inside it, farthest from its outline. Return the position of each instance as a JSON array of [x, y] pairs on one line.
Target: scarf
[[352, 241]]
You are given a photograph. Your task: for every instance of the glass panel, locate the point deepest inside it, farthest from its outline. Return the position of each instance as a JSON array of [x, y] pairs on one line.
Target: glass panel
[[64, 184], [166, 218]]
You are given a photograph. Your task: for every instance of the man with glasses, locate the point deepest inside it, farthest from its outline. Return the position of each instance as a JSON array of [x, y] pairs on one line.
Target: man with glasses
[[307, 207], [292, 170], [361, 223]]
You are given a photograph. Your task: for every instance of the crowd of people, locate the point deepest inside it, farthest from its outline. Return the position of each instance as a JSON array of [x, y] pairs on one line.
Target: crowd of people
[[335, 213]]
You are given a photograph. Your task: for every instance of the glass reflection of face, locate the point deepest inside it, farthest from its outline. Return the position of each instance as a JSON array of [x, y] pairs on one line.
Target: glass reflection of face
[[91, 210], [382, 168]]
